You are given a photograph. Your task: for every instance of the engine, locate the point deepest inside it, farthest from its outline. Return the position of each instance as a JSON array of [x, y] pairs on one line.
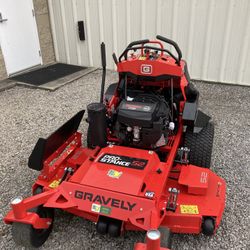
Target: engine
[[143, 121]]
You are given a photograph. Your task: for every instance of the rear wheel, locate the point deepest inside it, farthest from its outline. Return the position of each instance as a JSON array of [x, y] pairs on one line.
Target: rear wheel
[[200, 145]]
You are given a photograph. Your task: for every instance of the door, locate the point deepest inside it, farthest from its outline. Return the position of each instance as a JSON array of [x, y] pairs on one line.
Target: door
[[18, 35]]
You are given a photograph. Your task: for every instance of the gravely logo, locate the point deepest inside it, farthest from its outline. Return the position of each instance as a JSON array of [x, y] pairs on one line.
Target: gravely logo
[[100, 199], [146, 69]]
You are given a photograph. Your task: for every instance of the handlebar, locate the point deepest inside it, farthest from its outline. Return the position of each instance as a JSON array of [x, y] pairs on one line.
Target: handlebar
[[146, 47], [142, 43], [138, 42], [173, 43]]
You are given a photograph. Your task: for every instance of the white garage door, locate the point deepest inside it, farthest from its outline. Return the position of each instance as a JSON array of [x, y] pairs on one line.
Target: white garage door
[[213, 35]]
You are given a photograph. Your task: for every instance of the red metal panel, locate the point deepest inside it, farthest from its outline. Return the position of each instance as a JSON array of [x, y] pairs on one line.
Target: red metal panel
[[155, 68], [195, 178]]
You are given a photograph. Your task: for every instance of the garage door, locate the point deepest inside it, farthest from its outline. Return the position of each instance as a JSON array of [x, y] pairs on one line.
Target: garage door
[[213, 35]]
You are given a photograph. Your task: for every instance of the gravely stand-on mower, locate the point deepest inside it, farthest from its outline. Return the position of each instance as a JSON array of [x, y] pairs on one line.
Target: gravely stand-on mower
[[146, 166]]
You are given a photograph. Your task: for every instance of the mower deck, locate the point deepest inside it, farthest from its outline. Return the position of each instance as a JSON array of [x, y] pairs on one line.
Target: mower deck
[[128, 185]]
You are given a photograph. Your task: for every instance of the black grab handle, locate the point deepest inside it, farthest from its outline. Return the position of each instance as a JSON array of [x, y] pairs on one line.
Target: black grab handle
[[138, 42], [171, 42]]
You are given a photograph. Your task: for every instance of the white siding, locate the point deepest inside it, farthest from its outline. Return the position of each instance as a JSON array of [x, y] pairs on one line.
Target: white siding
[[214, 35]]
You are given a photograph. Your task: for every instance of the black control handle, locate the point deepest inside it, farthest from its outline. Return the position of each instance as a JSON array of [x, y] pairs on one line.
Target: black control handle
[[171, 42], [103, 55], [115, 58], [138, 42]]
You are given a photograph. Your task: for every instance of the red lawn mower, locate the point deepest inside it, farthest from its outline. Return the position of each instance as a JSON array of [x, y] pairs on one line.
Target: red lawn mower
[[146, 164]]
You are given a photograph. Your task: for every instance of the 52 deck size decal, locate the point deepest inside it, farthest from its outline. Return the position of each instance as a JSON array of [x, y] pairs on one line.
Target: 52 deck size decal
[[123, 161]]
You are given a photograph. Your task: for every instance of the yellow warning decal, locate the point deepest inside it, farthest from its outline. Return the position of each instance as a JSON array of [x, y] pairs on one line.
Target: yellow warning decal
[[189, 209], [54, 184]]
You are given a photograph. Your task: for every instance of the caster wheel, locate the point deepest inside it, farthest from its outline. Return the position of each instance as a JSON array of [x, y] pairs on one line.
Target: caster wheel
[[102, 225], [208, 226], [38, 190], [27, 236], [166, 237], [114, 228]]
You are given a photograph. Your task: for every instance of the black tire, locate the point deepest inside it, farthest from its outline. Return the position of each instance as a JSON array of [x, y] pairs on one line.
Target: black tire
[[114, 228], [200, 145], [208, 226], [27, 236], [102, 226], [38, 190], [166, 237]]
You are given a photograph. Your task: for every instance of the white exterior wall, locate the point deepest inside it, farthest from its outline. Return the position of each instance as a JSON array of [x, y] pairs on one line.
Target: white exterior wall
[[214, 35]]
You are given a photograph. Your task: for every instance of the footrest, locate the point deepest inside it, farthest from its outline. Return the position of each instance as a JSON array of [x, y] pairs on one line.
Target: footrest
[[195, 178]]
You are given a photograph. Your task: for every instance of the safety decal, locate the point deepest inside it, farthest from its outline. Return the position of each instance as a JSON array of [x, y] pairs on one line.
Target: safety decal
[[96, 208], [100, 209], [54, 184], [114, 174], [189, 209], [105, 210]]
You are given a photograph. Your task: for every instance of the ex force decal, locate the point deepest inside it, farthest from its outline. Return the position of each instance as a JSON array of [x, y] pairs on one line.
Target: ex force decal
[[123, 161], [108, 201]]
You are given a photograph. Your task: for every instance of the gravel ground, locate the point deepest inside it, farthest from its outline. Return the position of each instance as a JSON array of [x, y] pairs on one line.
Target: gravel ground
[[27, 114]]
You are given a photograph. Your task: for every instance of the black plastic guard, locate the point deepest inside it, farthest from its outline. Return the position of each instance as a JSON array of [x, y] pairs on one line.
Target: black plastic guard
[[201, 121], [45, 147], [190, 113], [110, 91]]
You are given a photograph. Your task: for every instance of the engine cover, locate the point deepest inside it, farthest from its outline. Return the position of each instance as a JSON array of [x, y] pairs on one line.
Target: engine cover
[[143, 122], [137, 113]]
